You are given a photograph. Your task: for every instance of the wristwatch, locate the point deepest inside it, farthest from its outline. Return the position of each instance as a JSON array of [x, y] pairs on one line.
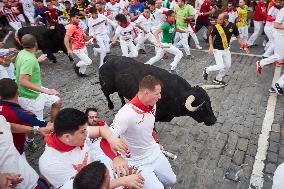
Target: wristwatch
[[35, 130]]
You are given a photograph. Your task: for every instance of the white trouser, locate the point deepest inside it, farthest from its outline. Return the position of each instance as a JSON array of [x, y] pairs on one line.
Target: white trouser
[[142, 37], [157, 173], [192, 34], [258, 29], [223, 63], [243, 31], [170, 49], [104, 48], [36, 106], [269, 48], [30, 15], [183, 41], [7, 72], [278, 50], [85, 61], [16, 26], [127, 46], [281, 81]]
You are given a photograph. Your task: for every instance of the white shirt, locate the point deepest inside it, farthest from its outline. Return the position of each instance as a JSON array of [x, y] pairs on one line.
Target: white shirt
[[144, 22], [98, 26], [126, 34], [158, 18], [136, 127], [280, 19], [273, 11], [233, 15], [11, 161], [59, 167], [278, 178], [113, 9], [28, 5]]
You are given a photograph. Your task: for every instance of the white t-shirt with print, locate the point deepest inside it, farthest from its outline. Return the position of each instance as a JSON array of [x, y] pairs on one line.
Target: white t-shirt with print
[[11, 161], [126, 34], [59, 167], [98, 26], [136, 127]]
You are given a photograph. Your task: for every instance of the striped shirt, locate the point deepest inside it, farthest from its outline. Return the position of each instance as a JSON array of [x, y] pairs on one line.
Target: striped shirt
[[10, 14]]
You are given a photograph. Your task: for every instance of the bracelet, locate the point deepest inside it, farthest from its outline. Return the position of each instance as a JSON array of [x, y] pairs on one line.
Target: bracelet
[[35, 130]]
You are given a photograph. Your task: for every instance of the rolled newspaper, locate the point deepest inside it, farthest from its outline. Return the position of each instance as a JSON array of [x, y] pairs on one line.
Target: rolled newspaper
[[6, 37], [169, 155]]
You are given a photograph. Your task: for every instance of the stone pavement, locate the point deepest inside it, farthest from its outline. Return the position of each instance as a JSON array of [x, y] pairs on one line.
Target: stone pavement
[[212, 157]]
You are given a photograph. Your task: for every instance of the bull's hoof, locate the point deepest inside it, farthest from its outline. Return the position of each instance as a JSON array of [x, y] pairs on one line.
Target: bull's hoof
[[110, 106]]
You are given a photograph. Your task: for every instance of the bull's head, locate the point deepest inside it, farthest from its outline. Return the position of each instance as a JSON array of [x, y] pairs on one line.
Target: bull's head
[[198, 106]]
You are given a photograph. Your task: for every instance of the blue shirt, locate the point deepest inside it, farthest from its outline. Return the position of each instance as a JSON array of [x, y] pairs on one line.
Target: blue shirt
[[138, 8]]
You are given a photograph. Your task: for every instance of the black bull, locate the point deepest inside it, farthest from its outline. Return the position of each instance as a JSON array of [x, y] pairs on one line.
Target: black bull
[[178, 98], [49, 40]]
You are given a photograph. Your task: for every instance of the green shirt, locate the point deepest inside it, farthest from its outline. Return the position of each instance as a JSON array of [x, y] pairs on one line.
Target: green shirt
[[168, 32], [27, 64], [186, 10]]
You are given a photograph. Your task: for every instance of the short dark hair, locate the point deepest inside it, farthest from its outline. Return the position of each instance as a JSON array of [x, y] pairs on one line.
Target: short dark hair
[[8, 88], [226, 17], [93, 10], [39, 1], [67, 2], [169, 13], [149, 82], [90, 110], [91, 176], [28, 41], [151, 2], [121, 18], [69, 120]]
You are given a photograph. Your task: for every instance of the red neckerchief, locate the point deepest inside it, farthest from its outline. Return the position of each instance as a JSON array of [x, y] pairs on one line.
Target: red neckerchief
[[170, 22], [124, 25], [136, 102], [53, 141]]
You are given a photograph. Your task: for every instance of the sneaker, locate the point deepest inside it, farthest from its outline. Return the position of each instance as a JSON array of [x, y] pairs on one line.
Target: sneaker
[[83, 75], [272, 90], [189, 56], [198, 47], [278, 89], [31, 144], [174, 72], [219, 82], [258, 67], [76, 69], [142, 51], [205, 74]]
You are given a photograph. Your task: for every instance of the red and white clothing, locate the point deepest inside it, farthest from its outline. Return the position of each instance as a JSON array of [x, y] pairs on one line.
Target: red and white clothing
[[11, 17], [29, 10], [114, 9], [259, 18], [158, 17], [126, 35], [233, 14], [97, 28], [59, 162], [77, 34], [269, 30], [279, 45], [134, 123], [146, 24], [11, 161]]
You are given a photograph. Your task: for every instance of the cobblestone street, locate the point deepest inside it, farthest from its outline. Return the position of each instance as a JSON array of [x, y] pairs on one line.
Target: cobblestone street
[[209, 157]]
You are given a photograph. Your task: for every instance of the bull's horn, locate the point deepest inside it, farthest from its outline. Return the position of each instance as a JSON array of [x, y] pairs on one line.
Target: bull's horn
[[188, 103], [212, 86]]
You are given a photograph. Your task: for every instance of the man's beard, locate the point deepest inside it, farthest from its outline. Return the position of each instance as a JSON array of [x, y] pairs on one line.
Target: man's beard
[[94, 123]]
